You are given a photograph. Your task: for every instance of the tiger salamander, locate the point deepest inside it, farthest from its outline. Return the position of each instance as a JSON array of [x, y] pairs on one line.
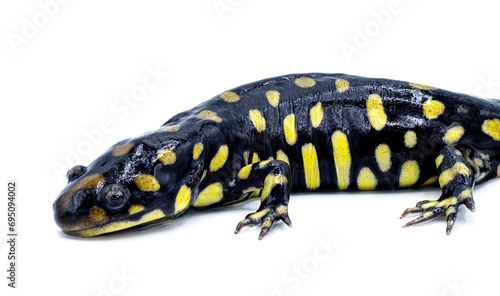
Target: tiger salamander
[[301, 132]]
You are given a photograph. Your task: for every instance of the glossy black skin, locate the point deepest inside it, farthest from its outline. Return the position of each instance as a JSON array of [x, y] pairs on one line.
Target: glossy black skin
[[344, 111]]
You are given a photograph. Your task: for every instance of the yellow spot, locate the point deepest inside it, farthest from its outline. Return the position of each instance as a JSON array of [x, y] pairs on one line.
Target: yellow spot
[[210, 195], [264, 163], [123, 149], [273, 97], [439, 160], [420, 86], [244, 173], [146, 182], [311, 166], [304, 82], [342, 159], [491, 127], [432, 109], [498, 171], [97, 214], [166, 156], [447, 175], [133, 209], [383, 157], [210, 115], [431, 181], [281, 210], [258, 215], [366, 179], [87, 182], [257, 119], [280, 155], [269, 182], [410, 139], [182, 199], [453, 135], [230, 97], [220, 158], [197, 149], [376, 113], [289, 128], [172, 128], [250, 189], [342, 85], [465, 194], [410, 172], [255, 157], [246, 156], [316, 115], [120, 225]]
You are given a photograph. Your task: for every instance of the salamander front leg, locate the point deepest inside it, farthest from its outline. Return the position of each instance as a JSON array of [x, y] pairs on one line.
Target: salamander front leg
[[272, 179], [456, 179]]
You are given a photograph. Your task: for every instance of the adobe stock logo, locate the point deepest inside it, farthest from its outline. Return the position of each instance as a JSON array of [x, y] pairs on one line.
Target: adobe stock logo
[[30, 27]]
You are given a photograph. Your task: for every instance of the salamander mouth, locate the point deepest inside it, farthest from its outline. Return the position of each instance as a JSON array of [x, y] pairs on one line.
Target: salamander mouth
[[145, 221]]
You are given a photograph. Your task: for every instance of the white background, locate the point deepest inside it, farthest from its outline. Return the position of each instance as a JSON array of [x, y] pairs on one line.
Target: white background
[[65, 69]]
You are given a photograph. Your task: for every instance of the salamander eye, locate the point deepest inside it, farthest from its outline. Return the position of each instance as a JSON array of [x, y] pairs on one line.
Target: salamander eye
[[114, 196], [75, 172]]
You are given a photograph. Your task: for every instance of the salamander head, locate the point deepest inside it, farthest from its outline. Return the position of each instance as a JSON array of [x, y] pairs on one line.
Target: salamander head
[[130, 185]]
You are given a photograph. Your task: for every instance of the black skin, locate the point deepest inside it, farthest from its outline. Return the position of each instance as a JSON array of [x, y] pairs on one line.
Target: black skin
[[229, 123]]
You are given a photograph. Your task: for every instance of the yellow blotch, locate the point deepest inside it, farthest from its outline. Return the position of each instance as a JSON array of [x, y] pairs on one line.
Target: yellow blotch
[[244, 172], [87, 182], [439, 160], [342, 85], [366, 179], [433, 108], [182, 199], [230, 97], [410, 139], [289, 129], [166, 156], [264, 163], [210, 195], [342, 159], [220, 158], [305, 82], [197, 149], [431, 181], [447, 175], [133, 209], [280, 155], [120, 225], [383, 157], [97, 214], [410, 172], [273, 97], [172, 128], [376, 112], [491, 127], [146, 182], [255, 157], [420, 86], [316, 115], [453, 135], [257, 119], [311, 166], [498, 171], [210, 115], [269, 182], [123, 149]]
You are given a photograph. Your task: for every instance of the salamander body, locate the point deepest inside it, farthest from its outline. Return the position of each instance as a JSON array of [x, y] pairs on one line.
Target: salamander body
[[301, 132]]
